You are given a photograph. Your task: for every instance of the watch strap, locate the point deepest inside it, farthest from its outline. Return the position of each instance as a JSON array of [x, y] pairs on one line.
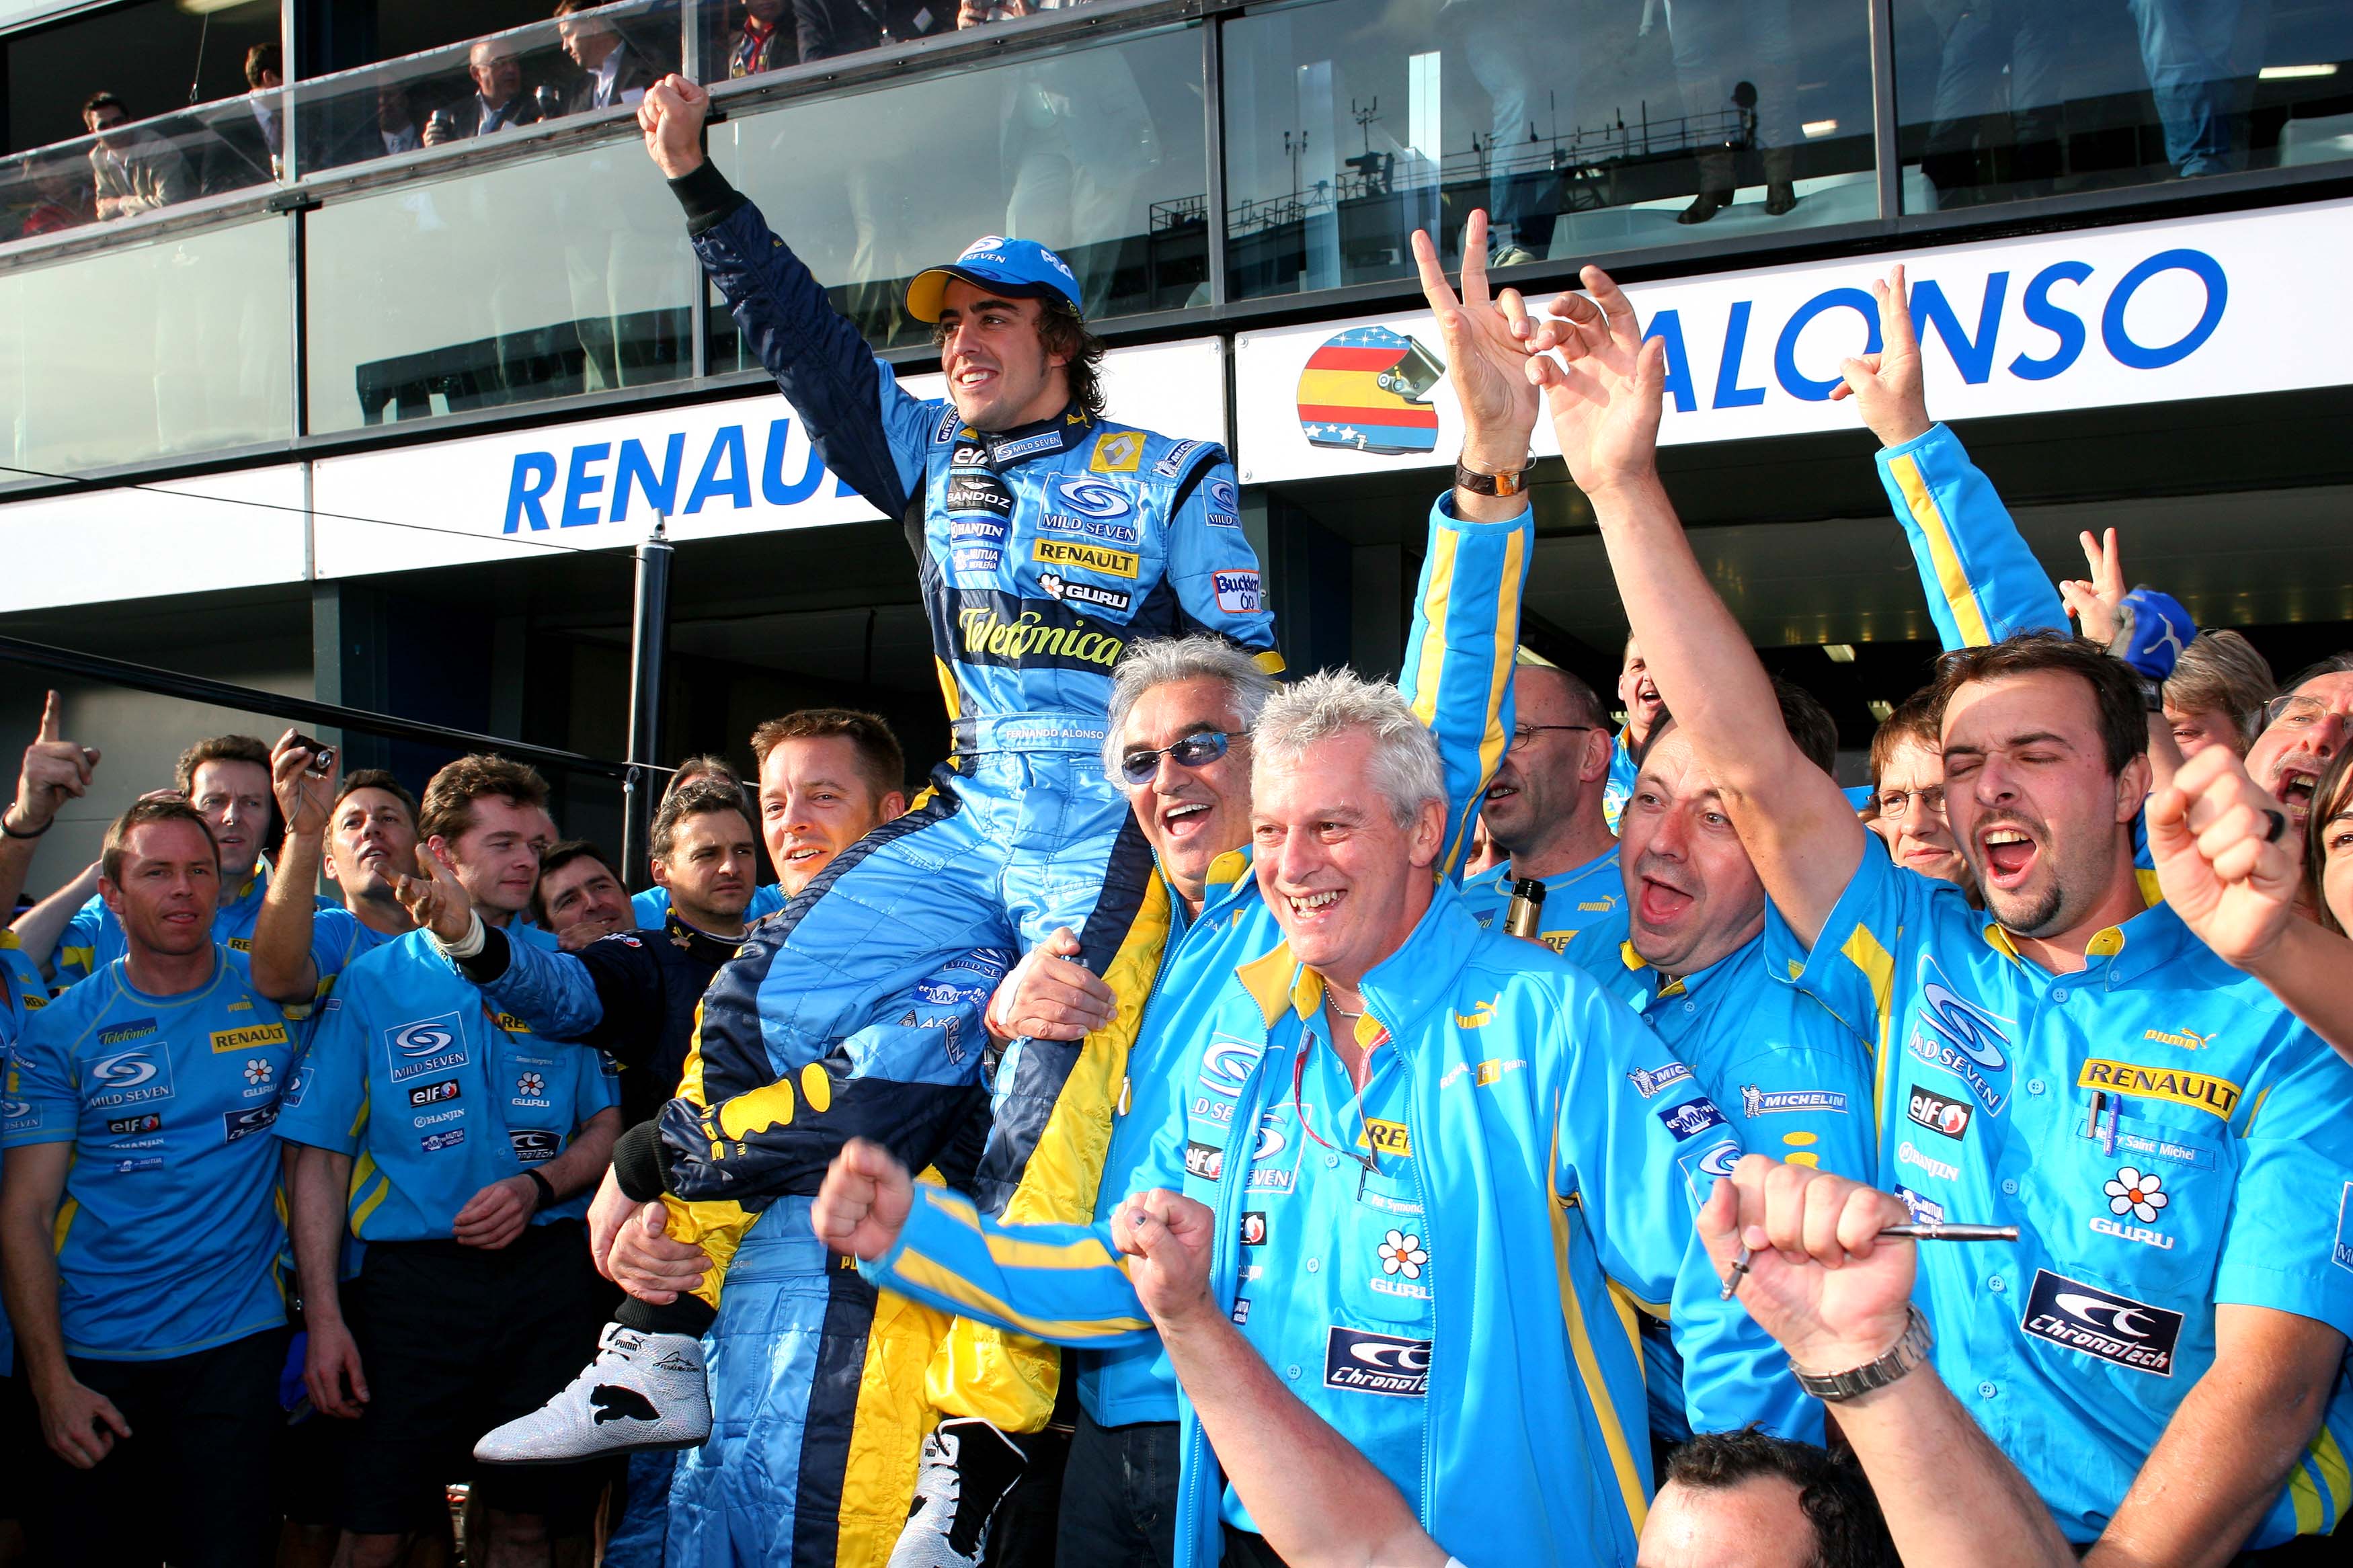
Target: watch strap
[[1908, 1353], [546, 1191], [1510, 483]]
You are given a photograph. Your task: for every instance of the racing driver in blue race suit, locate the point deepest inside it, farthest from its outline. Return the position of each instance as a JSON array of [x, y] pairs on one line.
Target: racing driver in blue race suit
[[1047, 540]]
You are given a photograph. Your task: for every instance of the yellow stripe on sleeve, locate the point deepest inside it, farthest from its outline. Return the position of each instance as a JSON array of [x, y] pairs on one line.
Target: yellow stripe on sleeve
[[1433, 614], [1878, 965], [1589, 1365], [1952, 578], [918, 1269]]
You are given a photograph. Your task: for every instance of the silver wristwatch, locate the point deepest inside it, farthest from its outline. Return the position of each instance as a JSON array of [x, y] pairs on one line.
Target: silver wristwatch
[[1909, 1352]]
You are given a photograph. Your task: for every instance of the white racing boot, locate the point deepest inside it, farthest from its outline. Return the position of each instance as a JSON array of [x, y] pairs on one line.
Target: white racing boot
[[968, 1467], [643, 1391]]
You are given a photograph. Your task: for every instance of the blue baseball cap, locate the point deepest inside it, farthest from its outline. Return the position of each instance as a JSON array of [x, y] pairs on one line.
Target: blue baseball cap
[[1016, 267]]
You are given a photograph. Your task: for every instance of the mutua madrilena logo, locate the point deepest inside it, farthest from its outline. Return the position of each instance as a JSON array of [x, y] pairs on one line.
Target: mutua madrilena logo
[[1368, 389]]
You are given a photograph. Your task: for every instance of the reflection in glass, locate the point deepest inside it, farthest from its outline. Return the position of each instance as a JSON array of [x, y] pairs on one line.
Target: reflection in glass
[[1582, 125], [526, 280], [2005, 99], [1096, 153], [584, 60], [179, 345]]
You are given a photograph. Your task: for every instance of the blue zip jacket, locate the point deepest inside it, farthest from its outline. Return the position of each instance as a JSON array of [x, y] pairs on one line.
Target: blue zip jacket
[[1537, 1200], [1983, 583]]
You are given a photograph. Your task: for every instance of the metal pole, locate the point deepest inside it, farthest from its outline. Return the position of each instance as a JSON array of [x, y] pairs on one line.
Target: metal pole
[[648, 648]]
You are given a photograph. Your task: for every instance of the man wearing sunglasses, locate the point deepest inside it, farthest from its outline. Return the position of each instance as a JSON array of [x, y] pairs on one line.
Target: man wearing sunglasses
[[1545, 808]]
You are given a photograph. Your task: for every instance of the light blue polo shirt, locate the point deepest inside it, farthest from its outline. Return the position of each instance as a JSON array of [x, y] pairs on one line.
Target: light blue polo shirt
[[2164, 1133]]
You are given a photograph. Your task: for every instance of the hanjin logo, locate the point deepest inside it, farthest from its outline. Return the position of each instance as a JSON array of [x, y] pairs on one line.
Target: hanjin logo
[[1376, 1363], [2096, 1322]]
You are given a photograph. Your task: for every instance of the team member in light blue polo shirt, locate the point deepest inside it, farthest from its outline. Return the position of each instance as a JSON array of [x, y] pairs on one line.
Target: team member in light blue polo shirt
[[141, 1237], [1639, 690], [1694, 966], [226, 779], [364, 831], [1545, 810], [652, 905], [461, 1148], [2159, 1350]]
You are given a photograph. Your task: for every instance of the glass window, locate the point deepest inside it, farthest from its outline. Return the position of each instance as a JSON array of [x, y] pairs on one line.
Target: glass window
[[526, 280], [2004, 98], [148, 351], [1096, 153], [1581, 125], [596, 60]]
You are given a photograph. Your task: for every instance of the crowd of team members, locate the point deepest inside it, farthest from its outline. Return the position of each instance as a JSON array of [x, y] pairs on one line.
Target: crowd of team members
[[1371, 1232]]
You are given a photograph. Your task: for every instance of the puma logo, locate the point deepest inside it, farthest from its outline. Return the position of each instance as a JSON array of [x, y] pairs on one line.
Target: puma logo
[[616, 1404]]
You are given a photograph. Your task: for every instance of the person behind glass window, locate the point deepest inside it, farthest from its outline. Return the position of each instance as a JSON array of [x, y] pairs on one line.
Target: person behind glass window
[[765, 42], [133, 169], [497, 102], [1075, 140], [1721, 47], [248, 141], [2202, 57], [618, 71]]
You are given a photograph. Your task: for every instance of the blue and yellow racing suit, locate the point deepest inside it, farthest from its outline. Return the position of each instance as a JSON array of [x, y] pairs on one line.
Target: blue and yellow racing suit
[[1042, 553], [2164, 1133], [1439, 1269], [168, 1236]]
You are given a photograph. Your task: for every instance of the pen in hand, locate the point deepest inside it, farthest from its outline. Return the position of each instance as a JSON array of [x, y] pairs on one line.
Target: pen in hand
[[1895, 1231]]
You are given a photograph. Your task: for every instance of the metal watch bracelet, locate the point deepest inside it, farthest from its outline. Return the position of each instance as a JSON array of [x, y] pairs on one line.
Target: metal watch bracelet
[[1908, 1353]]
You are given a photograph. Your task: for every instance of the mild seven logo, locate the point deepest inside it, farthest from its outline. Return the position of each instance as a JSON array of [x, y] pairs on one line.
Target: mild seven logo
[[1960, 1037]]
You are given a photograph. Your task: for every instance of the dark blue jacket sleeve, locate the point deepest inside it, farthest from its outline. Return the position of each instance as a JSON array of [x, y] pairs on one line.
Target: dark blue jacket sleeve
[[870, 433]]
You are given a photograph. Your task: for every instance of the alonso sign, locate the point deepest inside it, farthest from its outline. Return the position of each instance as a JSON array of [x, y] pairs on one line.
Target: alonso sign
[[2137, 314]]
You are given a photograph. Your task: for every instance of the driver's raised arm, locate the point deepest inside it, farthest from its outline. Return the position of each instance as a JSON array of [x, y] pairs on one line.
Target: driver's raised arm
[[1796, 824]]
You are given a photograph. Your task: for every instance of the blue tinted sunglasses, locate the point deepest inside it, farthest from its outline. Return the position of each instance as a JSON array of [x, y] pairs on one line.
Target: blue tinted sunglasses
[[1192, 751]]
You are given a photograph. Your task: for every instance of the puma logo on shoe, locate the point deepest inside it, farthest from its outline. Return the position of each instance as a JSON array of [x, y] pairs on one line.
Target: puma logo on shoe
[[612, 1403]]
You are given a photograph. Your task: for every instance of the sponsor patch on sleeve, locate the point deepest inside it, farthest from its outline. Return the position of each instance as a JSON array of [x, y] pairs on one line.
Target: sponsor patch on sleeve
[[1692, 1118], [1238, 592]]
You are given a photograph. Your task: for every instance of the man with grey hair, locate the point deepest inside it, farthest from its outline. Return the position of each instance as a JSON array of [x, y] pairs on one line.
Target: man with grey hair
[[1392, 1112]]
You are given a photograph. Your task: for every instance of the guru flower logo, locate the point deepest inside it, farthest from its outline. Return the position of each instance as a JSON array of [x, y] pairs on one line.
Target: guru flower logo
[[1402, 1254], [2131, 1193]]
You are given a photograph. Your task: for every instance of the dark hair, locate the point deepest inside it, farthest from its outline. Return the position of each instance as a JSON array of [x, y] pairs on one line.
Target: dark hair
[[1062, 331], [2329, 799], [2115, 690], [2335, 664], [139, 815], [260, 60], [376, 778], [448, 810], [559, 855], [1915, 719], [700, 798], [1809, 724], [701, 765], [216, 749], [1848, 1531], [878, 749], [97, 100]]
